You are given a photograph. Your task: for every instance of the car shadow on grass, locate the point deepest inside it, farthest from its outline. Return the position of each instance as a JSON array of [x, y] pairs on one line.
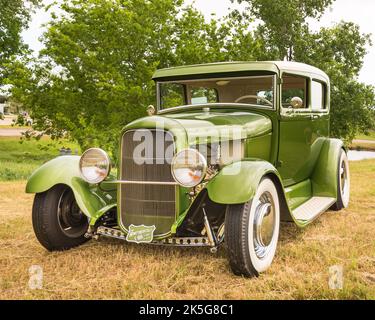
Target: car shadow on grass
[[289, 232], [152, 250]]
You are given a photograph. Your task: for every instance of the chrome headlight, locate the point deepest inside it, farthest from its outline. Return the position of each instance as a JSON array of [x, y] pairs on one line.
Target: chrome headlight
[[94, 165], [189, 167]]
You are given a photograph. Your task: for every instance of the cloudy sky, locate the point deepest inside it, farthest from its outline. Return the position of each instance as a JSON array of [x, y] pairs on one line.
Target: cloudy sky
[[359, 11]]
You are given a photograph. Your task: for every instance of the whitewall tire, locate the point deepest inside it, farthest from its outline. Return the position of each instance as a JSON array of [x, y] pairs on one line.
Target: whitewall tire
[[343, 182], [252, 231]]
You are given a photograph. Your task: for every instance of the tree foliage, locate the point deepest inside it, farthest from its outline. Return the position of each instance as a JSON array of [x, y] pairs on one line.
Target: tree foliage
[[14, 17], [340, 51], [284, 34], [283, 22], [93, 76]]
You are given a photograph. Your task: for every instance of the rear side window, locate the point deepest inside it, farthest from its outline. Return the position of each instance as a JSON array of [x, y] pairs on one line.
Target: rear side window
[[317, 95], [294, 86]]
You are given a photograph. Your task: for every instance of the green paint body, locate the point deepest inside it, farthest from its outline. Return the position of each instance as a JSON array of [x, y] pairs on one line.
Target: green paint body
[[65, 170], [294, 149]]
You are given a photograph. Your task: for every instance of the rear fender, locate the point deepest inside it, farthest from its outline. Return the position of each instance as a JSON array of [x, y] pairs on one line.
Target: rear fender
[[324, 177]]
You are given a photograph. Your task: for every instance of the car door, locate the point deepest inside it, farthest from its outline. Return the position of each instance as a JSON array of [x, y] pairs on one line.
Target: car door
[[297, 135]]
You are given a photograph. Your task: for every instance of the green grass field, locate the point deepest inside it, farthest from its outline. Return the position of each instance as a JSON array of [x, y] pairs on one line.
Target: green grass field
[[18, 160], [371, 136]]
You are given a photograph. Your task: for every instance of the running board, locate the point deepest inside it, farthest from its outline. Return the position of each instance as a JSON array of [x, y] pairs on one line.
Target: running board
[[313, 208]]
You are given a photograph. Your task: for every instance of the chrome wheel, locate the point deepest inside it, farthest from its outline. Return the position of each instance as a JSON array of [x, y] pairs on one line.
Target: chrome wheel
[[252, 230], [264, 224], [71, 219], [344, 180]]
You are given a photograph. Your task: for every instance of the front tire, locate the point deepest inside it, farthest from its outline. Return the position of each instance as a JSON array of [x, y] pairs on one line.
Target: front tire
[[58, 222], [252, 231]]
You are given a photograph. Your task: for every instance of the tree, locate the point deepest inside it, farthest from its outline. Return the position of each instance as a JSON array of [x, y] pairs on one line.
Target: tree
[[197, 41], [94, 74], [340, 51], [284, 34], [14, 17], [283, 22]]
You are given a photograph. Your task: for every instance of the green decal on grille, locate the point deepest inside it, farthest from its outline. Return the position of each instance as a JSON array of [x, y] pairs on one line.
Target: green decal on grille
[[140, 234]]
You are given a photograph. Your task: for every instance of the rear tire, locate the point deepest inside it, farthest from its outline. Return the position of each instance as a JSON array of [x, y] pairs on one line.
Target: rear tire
[[58, 222], [252, 231], [343, 182]]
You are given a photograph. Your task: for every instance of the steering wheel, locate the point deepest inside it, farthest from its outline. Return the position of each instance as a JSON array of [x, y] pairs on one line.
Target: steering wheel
[[255, 97]]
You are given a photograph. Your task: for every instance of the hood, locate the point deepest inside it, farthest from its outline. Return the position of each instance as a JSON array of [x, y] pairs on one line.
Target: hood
[[206, 127]]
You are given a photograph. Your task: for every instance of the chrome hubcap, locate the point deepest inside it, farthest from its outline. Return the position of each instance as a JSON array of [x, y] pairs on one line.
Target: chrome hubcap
[[264, 224]]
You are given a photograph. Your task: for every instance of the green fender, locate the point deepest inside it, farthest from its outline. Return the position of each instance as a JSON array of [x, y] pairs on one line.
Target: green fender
[[324, 177], [238, 182], [65, 170]]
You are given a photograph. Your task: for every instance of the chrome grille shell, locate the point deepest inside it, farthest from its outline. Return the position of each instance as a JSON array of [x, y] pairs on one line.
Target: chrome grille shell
[[147, 203]]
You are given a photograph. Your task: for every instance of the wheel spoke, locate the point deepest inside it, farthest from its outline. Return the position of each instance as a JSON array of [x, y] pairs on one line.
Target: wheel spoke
[[71, 219]]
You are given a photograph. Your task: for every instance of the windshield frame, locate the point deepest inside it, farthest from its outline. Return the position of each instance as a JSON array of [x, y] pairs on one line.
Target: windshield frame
[[274, 100]]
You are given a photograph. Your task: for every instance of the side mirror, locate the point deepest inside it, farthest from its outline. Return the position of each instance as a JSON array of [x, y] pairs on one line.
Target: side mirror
[[150, 110], [296, 103]]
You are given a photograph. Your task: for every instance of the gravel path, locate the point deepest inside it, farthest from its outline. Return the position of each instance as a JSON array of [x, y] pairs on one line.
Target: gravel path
[[11, 132]]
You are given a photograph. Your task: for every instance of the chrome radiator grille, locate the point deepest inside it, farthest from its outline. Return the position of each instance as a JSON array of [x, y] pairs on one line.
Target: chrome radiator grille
[[148, 204]]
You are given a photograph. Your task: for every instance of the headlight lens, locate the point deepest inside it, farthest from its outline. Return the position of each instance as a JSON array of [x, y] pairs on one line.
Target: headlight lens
[[189, 168], [94, 165]]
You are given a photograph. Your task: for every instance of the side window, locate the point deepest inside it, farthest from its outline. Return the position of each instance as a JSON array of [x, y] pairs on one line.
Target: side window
[[203, 95], [294, 86], [172, 95], [317, 95]]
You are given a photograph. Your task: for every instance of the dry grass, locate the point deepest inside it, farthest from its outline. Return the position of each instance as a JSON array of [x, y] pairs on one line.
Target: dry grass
[[116, 270]]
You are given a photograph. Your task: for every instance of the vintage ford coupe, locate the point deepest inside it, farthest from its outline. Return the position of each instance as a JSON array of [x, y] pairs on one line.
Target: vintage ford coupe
[[231, 150]]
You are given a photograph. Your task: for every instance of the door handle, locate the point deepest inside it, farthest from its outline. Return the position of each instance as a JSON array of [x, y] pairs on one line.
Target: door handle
[[315, 117]]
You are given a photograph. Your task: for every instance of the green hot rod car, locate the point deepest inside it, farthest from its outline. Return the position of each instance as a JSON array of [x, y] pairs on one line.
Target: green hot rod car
[[231, 150]]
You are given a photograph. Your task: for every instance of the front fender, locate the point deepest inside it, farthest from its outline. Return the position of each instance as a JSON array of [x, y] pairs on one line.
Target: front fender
[[238, 182], [65, 170]]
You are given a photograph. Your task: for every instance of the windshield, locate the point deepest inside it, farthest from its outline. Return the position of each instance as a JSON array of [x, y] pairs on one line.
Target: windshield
[[255, 90]]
